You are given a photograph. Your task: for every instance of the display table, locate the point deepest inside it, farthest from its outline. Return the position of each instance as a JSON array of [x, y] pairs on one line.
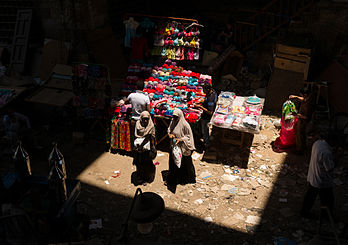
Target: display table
[[8, 94], [238, 113], [51, 96]]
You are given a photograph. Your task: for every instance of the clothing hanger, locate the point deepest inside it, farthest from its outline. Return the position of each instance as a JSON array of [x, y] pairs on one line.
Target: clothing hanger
[[194, 24]]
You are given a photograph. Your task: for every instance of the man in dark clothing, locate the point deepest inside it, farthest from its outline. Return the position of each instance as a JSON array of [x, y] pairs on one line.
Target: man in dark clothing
[[320, 175], [304, 116], [208, 108]]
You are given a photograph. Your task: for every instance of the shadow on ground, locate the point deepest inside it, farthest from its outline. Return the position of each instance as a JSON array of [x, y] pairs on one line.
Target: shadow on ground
[[278, 218]]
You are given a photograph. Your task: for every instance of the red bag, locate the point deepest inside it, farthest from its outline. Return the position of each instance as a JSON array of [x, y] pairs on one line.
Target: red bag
[[287, 137]]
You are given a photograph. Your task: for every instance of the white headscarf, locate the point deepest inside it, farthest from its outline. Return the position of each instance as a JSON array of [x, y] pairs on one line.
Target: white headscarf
[[141, 131], [182, 129]]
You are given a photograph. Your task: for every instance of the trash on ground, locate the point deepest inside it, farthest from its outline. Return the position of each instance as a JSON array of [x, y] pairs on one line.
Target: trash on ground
[[229, 177], [95, 224], [244, 192], [283, 200], [204, 174], [208, 219], [337, 181], [195, 156], [198, 201], [226, 187], [207, 177], [115, 176], [252, 219], [107, 182], [234, 190], [283, 241], [228, 171]]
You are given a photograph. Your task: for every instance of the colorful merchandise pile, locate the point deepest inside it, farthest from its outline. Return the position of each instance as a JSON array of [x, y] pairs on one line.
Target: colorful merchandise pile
[[91, 86], [136, 72], [172, 87], [120, 127], [239, 113], [6, 95], [176, 42]]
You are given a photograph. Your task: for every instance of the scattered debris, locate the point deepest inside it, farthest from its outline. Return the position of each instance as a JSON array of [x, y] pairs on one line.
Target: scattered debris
[[283, 200], [234, 190], [228, 171], [337, 181], [244, 192], [208, 219], [238, 216], [196, 156], [198, 201], [229, 177], [95, 224], [251, 219], [226, 187]]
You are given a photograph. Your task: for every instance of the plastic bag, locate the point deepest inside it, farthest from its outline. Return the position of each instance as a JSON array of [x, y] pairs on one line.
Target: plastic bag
[[57, 175], [21, 161], [177, 155], [139, 141]]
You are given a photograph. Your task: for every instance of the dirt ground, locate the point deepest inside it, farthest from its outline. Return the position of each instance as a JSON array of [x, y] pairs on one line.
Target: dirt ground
[[250, 195]]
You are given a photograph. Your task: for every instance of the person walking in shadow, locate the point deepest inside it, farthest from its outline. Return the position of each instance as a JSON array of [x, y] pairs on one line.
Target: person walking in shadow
[[320, 176]]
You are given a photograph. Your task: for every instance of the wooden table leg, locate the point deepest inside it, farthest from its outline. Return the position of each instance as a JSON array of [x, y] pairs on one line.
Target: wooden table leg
[[242, 139]]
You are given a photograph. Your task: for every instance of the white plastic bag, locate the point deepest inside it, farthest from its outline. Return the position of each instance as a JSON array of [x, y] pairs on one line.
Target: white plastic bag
[[139, 141], [177, 155]]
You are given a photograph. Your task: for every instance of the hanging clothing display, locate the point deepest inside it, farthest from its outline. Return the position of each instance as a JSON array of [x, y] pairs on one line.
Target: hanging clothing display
[[136, 71], [120, 135], [171, 39], [90, 86], [131, 26], [177, 42], [139, 48]]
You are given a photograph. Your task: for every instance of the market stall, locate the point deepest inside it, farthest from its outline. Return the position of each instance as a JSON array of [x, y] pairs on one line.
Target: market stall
[[168, 87], [238, 113]]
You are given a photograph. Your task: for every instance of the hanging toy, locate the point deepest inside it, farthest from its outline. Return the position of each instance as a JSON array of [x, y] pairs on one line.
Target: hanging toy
[[21, 161], [57, 176]]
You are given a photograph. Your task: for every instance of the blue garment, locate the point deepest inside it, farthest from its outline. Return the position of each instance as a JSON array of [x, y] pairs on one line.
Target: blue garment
[[131, 26], [147, 24], [210, 104]]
